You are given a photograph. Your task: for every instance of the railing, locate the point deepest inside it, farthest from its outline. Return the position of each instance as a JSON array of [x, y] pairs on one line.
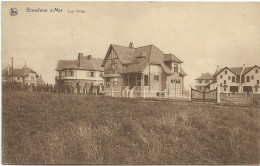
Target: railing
[[234, 95], [131, 93]]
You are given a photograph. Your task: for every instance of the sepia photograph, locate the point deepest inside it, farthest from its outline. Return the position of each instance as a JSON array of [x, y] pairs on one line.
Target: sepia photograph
[[130, 83]]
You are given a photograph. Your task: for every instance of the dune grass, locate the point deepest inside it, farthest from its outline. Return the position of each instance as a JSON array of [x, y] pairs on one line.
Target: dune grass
[[42, 128]]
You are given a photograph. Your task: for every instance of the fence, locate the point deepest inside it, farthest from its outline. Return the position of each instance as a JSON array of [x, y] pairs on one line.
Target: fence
[[95, 90], [203, 96], [138, 92]]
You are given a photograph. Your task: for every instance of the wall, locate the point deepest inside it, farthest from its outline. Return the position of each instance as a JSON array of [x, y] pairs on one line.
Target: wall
[[253, 82], [228, 82], [154, 84]]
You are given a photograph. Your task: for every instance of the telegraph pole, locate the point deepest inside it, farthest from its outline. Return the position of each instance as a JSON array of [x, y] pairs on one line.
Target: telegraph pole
[[12, 69]]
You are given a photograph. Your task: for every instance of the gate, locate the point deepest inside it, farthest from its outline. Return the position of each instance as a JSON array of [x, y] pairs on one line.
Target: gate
[[203, 96]]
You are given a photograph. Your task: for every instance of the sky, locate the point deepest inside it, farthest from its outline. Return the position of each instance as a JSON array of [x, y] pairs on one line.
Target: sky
[[202, 34]]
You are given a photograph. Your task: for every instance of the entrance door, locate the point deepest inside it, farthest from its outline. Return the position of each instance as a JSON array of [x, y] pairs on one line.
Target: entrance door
[[175, 88], [132, 81]]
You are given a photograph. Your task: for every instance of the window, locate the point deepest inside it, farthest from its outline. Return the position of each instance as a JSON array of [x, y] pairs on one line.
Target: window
[[248, 79], [115, 82], [69, 73], [206, 81], [172, 81], [101, 74], [225, 81], [107, 81], [60, 74], [225, 89], [114, 66], [256, 89], [178, 81], [229, 77], [256, 70], [233, 79], [225, 72], [200, 81], [138, 80], [220, 84], [175, 68], [92, 74], [145, 80], [156, 77], [220, 76], [252, 77], [257, 81], [18, 78], [32, 78]]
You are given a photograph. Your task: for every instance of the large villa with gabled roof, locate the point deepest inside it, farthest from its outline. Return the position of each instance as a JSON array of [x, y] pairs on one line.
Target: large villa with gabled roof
[[142, 69]]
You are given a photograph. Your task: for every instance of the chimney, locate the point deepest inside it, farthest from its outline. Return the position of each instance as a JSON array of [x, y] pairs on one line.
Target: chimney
[[80, 59], [217, 67], [89, 57], [8, 69], [131, 45]]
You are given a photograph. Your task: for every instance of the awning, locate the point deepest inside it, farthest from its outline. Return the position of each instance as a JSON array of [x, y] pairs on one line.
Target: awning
[[225, 86]]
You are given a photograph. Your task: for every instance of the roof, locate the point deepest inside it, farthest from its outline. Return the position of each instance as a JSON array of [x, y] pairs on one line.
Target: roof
[[247, 69], [205, 76], [237, 70], [25, 71], [150, 54], [172, 58], [86, 63]]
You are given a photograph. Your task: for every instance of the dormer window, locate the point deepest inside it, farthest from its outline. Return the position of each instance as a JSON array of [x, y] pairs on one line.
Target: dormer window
[[175, 68]]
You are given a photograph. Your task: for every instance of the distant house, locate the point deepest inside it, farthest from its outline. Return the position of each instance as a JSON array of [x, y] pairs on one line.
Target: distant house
[[79, 73], [143, 68], [203, 82], [25, 76], [237, 79]]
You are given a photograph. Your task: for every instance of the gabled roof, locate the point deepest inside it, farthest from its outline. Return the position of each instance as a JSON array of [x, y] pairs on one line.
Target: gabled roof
[[171, 58], [150, 54], [247, 69], [25, 71], [205, 76], [86, 63], [235, 70]]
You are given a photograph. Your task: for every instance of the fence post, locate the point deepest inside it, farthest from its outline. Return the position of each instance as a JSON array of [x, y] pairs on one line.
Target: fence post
[[190, 93], [144, 92], [218, 94], [165, 93]]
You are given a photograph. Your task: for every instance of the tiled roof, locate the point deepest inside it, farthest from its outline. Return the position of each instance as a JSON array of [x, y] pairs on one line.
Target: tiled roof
[[85, 64], [18, 72], [150, 54], [236, 70], [172, 58], [247, 69], [206, 76]]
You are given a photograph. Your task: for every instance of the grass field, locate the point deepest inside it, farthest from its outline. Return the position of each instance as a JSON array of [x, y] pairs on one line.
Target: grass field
[[42, 128]]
